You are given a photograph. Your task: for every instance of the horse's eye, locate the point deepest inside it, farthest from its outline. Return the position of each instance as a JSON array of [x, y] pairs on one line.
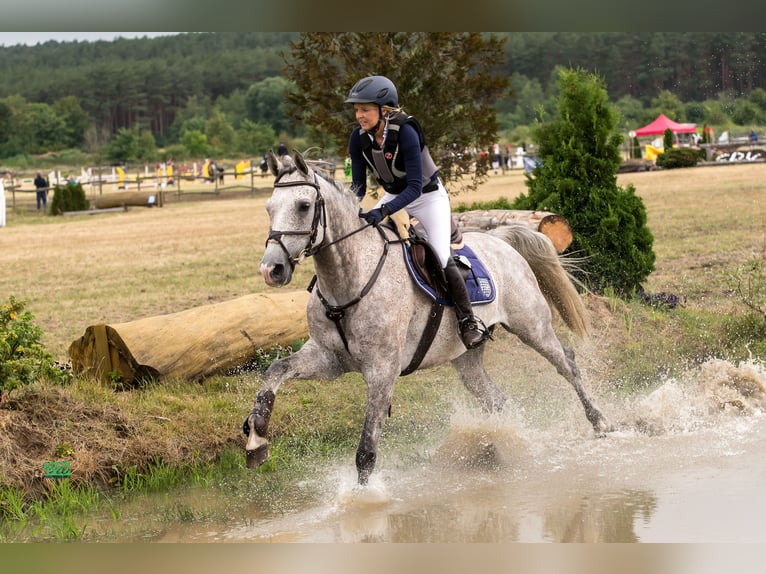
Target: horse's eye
[[304, 206]]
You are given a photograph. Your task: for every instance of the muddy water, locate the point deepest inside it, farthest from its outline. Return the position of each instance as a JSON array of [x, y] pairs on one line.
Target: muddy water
[[686, 464]]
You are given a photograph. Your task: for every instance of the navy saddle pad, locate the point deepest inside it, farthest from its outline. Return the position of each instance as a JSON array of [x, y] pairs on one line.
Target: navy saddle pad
[[481, 288]]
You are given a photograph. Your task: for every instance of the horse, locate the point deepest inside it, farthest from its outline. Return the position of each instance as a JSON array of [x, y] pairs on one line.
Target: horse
[[366, 315]]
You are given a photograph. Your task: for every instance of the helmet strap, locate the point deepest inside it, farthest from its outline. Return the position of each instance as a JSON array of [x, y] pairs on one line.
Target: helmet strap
[[374, 130]]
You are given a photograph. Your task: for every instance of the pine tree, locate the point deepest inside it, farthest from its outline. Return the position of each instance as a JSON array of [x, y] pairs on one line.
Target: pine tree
[[580, 153], [667, 139], [635, 148]]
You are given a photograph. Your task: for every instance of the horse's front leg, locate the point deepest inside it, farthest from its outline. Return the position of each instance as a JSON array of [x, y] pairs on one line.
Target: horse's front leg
[[310, 362], [380, 391]]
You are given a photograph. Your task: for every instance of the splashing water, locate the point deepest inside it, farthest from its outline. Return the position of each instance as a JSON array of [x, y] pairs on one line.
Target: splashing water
[[685, 465]]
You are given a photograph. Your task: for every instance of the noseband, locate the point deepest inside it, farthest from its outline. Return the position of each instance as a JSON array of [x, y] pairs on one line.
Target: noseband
[[320, 218]]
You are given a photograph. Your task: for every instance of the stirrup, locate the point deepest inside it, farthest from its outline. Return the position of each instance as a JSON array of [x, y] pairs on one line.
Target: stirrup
[[473, 332]]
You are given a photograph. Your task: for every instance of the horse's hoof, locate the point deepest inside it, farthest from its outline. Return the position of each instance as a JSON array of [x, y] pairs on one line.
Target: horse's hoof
[[257, 457], [603, 428]]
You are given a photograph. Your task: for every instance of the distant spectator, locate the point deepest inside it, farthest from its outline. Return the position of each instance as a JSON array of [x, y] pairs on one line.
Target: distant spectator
[[215, 172], [753, 137], [41, 186], [496, 157], [281, 151]]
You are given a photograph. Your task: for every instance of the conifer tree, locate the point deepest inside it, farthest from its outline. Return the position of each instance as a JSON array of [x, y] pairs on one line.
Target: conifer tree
[[579, 151]]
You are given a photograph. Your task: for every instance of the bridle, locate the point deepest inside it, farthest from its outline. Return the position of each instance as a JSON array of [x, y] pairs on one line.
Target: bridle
[[320, 219], [313, 246]]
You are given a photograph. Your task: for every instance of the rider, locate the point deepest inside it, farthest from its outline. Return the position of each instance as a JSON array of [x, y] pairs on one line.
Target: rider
[[390, 143]]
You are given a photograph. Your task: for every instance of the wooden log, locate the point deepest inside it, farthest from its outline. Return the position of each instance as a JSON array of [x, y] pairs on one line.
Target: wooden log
[[194, 343], [550, 224], [133, 198]]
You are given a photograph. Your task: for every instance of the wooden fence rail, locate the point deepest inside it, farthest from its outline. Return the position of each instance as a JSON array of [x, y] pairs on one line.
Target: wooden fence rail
[[100, 185]]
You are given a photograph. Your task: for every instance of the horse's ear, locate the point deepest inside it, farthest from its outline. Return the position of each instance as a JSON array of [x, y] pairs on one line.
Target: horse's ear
[[300, 163], [273, 163]]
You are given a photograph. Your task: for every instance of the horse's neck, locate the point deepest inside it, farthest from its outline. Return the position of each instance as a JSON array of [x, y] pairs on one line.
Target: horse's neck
[[346, 265]]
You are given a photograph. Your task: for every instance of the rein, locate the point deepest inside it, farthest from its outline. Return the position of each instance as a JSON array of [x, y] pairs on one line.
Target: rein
[[336, 312]]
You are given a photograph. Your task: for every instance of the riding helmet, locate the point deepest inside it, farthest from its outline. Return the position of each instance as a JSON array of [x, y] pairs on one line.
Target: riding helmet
[[376, 89]]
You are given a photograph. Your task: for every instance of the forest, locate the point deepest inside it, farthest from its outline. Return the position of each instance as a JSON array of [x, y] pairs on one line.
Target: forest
[[191, 94]]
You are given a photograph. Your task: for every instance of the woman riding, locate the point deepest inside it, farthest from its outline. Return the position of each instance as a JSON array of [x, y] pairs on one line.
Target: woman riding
[[390, 144]]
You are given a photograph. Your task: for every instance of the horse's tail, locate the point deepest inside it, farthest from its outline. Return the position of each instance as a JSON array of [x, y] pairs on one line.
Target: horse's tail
[[556, 283]]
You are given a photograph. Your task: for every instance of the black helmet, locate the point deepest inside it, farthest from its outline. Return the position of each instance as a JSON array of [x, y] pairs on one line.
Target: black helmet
[[375, 89]]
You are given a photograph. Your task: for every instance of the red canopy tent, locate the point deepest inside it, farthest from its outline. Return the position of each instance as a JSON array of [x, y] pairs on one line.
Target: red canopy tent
[[663, 122]]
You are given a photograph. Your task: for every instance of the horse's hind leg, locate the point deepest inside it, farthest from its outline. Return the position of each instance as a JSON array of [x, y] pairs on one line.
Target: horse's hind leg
[[545, 342], [592, 412], [470, 368]]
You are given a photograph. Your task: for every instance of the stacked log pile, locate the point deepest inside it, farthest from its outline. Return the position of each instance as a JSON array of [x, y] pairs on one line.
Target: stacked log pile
[[554, 226]]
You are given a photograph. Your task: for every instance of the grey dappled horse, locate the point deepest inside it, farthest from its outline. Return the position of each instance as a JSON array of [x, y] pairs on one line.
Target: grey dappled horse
[[366, 315]]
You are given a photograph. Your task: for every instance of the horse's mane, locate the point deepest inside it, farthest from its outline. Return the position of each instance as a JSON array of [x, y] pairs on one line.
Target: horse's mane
[[317, 167]]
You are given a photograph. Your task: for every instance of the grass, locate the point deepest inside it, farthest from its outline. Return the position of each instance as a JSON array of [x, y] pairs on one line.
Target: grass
[[78, 271]]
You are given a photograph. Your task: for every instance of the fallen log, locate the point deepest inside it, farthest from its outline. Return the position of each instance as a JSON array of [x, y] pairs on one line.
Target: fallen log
[[554, 226], [132, 198], [191, 344]]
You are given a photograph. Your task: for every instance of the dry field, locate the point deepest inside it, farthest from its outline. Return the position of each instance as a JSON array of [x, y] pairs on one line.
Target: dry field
[[117, 267]]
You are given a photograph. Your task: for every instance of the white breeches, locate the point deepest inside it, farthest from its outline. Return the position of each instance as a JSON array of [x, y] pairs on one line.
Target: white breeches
[[433, 212]]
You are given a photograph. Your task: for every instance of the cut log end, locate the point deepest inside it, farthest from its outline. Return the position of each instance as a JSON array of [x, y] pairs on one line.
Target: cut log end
[[556, 228]]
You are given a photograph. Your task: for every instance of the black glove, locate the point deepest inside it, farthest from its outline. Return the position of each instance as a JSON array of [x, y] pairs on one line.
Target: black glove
[[375, 216]]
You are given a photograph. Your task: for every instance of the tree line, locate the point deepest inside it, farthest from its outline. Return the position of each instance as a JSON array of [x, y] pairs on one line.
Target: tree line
[[226, 92]]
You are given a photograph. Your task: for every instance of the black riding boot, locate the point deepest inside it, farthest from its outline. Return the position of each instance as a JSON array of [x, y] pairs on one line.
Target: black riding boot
[[470, 331]]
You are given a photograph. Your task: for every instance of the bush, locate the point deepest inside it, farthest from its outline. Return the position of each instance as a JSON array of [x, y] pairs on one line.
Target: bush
[[667, 139], [500, 203], [678, 157], [22, 358], [749, 283], [580, 153], [69, 197]]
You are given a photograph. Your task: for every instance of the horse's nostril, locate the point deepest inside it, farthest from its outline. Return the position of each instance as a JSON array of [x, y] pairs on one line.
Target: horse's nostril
[[278, 272]]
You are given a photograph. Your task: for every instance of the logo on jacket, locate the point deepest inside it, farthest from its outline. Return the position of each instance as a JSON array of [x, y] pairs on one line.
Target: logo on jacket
[[389, 155]]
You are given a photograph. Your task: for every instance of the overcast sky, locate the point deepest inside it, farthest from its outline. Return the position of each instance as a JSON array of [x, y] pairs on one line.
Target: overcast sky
[[32, 38]]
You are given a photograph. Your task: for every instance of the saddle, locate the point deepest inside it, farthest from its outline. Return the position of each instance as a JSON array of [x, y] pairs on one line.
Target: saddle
[[426, 270]]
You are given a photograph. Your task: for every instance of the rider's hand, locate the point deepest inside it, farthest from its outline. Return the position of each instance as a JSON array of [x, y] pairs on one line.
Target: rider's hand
[[375, 216]]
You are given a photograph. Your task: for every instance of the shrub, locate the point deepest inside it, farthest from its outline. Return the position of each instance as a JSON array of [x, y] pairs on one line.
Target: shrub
[[22, 358], [749, 283], [667, 139], [678, 157], [635, 149], [69, 197], [500, 203], [580, 153]]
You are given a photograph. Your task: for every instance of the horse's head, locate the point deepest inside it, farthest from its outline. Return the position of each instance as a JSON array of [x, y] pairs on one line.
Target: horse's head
[[297, 215]]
